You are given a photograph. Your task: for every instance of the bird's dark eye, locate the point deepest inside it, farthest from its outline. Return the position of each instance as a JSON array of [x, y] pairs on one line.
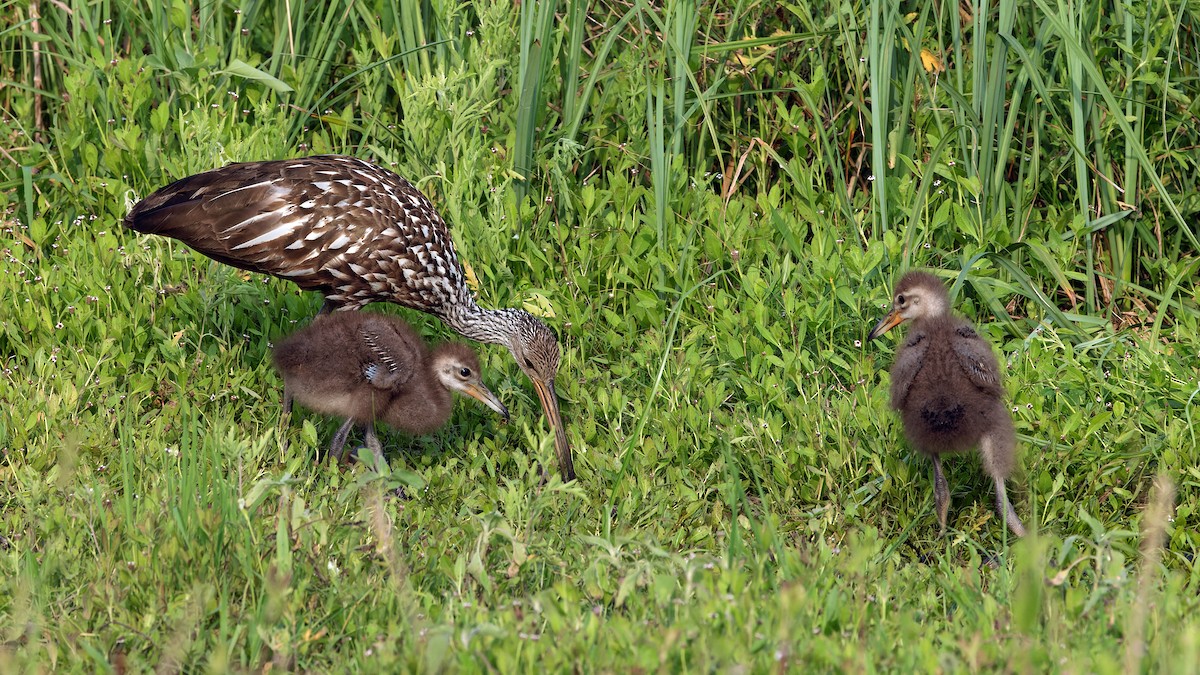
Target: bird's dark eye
[[465, 372], [528, 363]]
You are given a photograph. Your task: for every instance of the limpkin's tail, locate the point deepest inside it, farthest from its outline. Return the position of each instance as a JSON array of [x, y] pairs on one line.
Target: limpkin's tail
[[215, 213], [178, 209]]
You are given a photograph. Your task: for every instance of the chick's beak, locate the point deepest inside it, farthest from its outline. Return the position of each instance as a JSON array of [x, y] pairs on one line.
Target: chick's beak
[[545, 392], [885, 324], [486, 397]]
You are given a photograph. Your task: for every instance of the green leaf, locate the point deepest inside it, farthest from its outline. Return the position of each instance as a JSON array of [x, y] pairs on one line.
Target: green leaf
[[239, 68]]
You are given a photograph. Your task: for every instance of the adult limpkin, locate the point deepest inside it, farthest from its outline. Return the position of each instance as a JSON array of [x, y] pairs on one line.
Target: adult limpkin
[[357, 233], [946, 386]]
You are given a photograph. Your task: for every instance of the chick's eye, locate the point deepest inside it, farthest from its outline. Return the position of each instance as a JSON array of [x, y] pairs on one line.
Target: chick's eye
[[900, 299], [465, 372]]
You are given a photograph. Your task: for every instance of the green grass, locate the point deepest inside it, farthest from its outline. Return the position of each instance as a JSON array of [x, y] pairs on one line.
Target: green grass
[[711, 225]]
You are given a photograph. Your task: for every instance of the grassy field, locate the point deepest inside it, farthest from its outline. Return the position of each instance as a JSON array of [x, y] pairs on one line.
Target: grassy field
[[708, 203]]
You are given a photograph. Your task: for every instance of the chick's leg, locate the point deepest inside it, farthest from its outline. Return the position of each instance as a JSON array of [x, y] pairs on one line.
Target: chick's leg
[[337, 448], [941, 494], [375, 446], [1004, 509], [998, 451]]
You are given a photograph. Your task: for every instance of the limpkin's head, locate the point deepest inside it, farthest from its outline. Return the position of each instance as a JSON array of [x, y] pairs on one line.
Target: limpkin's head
[[918, 295], [457, 368], [535, 348]]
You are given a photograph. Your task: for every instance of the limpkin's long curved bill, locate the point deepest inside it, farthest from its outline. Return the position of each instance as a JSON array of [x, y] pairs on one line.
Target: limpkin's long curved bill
[[485, 396], [885, 324], [545, 392]]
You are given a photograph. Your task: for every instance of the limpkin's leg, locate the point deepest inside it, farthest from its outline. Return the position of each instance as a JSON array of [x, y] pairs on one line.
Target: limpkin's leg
[[1005, 509], [337, 448], [287, 402], [375, 446], [286, 417], [941, 494], [998, 450]]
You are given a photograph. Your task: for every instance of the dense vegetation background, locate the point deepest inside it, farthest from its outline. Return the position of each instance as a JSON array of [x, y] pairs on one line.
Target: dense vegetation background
[[708, 202]]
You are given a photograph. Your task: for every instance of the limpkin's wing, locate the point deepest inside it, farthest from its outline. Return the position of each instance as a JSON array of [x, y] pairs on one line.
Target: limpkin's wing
[[975, 357], [909, 360], [221, 213], [391, 353], [355, 231]]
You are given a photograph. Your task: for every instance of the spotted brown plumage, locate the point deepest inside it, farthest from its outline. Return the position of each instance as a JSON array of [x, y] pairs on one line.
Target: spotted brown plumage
[[946, 386], [366, 367], [358, 234]]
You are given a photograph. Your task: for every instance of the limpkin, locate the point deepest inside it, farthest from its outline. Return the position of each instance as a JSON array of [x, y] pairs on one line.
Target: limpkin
[[368, 367], [357, 233], [946, 386]]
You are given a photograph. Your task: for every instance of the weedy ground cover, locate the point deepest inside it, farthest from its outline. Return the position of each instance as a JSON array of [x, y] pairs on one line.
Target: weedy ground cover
[[709, 204]]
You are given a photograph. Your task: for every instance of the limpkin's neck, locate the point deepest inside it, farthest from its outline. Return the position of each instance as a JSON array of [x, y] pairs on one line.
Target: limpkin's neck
[[493, 326]]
